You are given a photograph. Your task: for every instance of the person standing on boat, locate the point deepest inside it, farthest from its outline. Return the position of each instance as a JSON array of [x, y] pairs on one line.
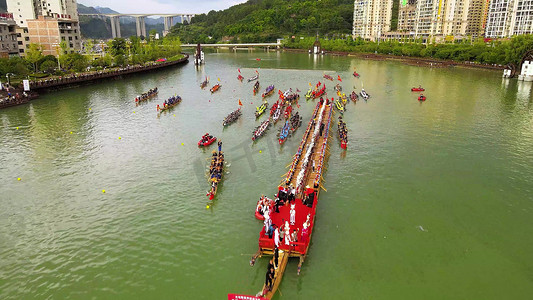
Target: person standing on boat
[[269, 278], [293, 214], [276, 237], [287, 234], [276, 257]]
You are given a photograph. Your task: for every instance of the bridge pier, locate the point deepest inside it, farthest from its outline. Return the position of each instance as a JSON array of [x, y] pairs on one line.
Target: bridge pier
[[168, 24], [115, 26], [141, 26]]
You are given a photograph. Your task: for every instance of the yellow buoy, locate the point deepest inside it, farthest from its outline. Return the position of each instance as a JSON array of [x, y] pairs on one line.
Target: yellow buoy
[[103, 191], [260, 151], [119, 138], [17, 128], [174, 115], [18, 179], [207, 206], [71, 132], [182, 144], [90, 108], [133, 111]]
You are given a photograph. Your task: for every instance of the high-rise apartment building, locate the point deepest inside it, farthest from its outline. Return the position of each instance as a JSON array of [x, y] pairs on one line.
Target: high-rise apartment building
[[47, 22], [509, 17], [371, 18], [407, 15], [477, 18], [8, 35]]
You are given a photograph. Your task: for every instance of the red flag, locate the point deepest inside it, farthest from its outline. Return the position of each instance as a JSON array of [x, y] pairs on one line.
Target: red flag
[[240, 103], [239, 70], [339, 77]]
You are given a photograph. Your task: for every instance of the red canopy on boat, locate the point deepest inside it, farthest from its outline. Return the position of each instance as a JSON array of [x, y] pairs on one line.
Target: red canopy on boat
[[161, 60]]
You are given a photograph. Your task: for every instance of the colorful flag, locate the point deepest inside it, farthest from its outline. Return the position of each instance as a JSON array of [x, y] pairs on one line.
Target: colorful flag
[[239, 70], [339, 78]]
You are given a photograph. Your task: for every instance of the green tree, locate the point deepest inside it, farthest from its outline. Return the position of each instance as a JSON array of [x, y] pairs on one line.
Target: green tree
[[48, 66], [34, 54]]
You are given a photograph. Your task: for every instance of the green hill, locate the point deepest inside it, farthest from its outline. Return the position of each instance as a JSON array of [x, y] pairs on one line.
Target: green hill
[[266, 20]]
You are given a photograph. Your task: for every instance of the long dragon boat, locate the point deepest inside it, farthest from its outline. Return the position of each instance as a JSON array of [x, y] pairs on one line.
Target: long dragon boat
[[290, 126], [216, 170], [261, 109], [260, 130], [328, 77], [289, 96], [299, 193], [169, 104], [319, 91], [268, 91], [342, 97], [232, 117], [146, 96], [343, 133], [215, 88]]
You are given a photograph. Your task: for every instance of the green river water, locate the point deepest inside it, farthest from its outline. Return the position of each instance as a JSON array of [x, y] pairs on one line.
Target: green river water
[[431, 200]]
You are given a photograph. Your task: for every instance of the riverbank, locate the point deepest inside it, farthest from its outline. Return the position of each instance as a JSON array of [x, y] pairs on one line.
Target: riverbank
[[61, 82], [409, 60]]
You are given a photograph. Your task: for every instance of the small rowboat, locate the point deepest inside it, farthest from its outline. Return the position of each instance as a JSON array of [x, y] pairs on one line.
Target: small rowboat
[[204, 83], [261, 109], [421, 98], [343, 133], [353, 96], [308, 95], [355, 74], [364, 94], [342, 97], [338, 87], [319, 92], [253, 78], [260, 130], [339, 106], [240, 78], [256, 87], [268, 91], [418, 89], [206, 140], [232, 117], [328, 77], [215, 88]]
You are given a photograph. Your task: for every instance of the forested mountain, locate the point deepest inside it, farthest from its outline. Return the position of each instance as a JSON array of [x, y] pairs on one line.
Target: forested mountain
[[266, 20]]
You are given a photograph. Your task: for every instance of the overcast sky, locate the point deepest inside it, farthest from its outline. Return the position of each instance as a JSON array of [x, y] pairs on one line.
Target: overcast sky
[[162, 6]]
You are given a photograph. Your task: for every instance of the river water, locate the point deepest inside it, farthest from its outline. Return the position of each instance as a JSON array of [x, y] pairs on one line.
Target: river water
[[431, 200]]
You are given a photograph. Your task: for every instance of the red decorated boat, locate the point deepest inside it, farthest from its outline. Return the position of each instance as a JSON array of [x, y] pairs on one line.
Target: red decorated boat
[[206, 140], [355, 74], [421, 98], [215, 88], [418, 89], [240, 77]]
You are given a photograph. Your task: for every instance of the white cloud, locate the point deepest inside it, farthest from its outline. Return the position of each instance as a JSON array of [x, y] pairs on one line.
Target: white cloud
[[162, 6]]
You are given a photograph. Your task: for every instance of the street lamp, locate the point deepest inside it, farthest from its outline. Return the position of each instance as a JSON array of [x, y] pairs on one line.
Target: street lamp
[[7, 76]]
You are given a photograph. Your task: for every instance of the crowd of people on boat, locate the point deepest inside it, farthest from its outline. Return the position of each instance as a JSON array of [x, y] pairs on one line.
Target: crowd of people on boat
[[256, 87], [343, 132], [216, 169], [295, 121], [147, 95], [260, 130], [11, 99], [170, 102], [232, 117], [268, 91]]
